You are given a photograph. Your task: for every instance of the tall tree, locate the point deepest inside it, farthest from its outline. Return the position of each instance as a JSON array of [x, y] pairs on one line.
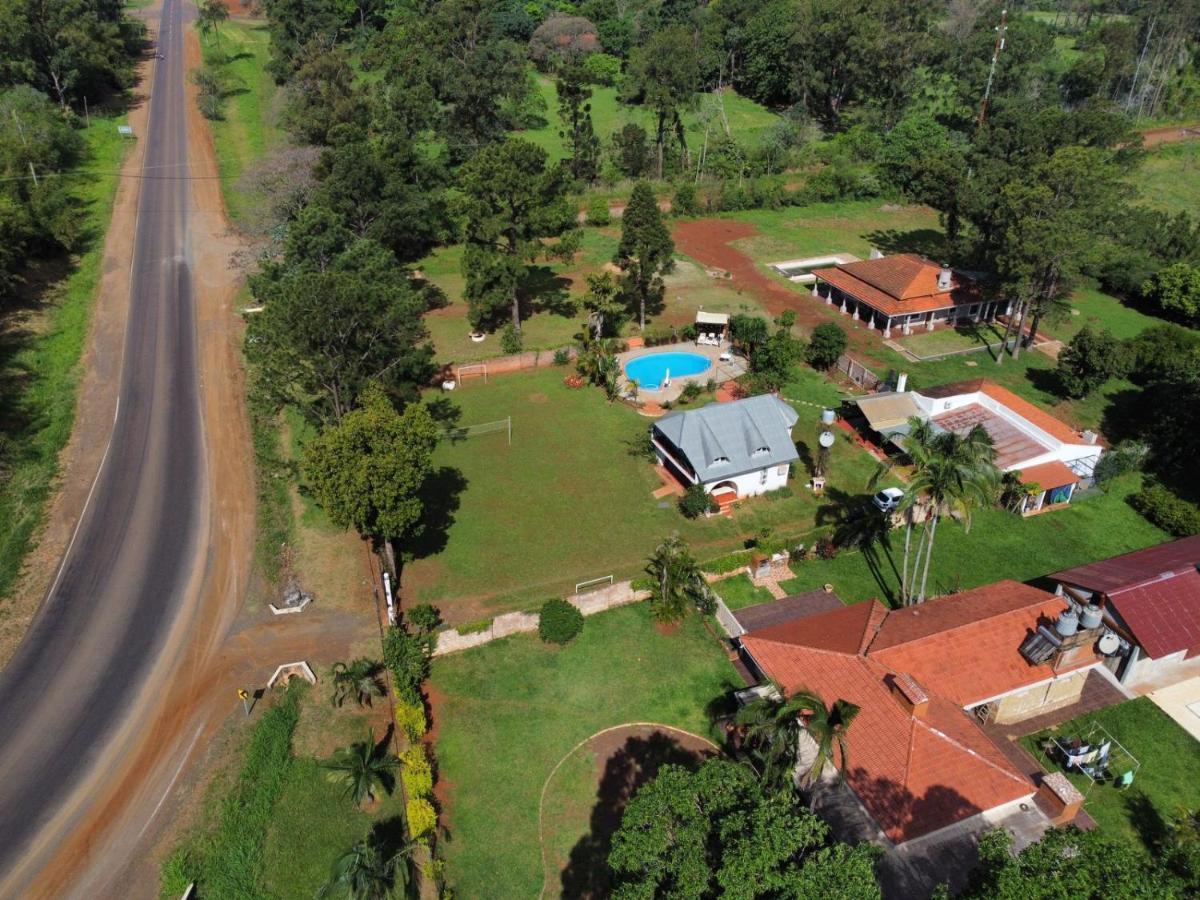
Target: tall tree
[[1048, 226], [665, 74], [211, 15], [678, 584], [322, 336], [603, 303], [645, 252], [578, 134], [717, 833], [368, 471], [512, 203]]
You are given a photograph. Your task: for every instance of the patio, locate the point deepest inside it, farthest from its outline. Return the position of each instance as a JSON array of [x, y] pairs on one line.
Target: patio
[[719, 370]]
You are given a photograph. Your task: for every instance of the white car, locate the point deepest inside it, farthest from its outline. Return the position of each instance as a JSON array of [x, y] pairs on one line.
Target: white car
[[888, 499]]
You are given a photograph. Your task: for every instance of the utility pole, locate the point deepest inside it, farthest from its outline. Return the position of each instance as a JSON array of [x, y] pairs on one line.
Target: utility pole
[[987, 92]]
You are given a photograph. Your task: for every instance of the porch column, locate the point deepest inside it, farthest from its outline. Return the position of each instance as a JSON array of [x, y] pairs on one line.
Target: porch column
[[815, 292], [906, 328], [929, 323], [887, 327], [843, 304], [855, 314], [871, 319]]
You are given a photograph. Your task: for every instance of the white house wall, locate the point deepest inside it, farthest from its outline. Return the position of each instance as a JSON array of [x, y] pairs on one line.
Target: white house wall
[[751, 484]]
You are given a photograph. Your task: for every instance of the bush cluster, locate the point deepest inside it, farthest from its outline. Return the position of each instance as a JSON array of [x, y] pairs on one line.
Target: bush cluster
[[825, 548], [1169, 512], [730, 562], [422, 817], [416, 772], [411, 719], [407, 656], [696, 501], [559, 622]]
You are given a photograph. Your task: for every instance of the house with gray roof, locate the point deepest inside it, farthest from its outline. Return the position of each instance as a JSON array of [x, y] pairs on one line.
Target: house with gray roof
[[738, 449]]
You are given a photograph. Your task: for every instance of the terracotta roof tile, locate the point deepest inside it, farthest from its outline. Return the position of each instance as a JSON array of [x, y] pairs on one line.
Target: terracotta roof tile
[[845, 630], [1163, 614], [900, 284], [1019, 405], [1049, 475]]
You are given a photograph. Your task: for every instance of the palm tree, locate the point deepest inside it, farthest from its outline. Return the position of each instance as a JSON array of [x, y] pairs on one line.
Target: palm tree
[[361, 768], [367, 871], [358, 679], [953, 474], [603, 302], [211, 14], [798, 731], [678, 583]]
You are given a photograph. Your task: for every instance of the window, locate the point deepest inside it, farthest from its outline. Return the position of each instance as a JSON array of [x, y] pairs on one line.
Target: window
[[720, 460], [760, 451]]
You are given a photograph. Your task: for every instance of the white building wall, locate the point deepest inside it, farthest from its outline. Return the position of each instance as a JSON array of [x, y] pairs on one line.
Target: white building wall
[[752, 484]]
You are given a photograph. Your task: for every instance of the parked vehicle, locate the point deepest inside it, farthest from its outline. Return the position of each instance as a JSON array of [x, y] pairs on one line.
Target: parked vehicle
[[888, 499]]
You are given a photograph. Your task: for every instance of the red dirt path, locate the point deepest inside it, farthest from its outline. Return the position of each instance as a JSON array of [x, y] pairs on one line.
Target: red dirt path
[[709, 242]]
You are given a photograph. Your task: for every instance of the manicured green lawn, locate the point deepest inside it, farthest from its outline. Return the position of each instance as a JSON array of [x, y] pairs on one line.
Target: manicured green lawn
[[568, 501], [1169, 757], [1091, 307], [748, 121], [950, 340], [739, 592], [39, 358], [506, 713], [248, 129], [1000, 545], [1169, 177]]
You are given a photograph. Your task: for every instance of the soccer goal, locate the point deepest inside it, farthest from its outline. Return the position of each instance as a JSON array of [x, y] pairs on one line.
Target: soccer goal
[[474, 370], [462, 432], [593, 584]]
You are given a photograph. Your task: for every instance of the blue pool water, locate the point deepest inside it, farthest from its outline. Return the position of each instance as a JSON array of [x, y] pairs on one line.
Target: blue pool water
[[649, 371]]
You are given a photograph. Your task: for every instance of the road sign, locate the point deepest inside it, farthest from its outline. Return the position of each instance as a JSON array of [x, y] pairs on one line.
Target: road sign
[[245, 698]]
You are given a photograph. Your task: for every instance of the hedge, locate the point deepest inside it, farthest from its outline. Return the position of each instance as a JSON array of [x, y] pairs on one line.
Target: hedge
[[416, 773], [1169, 512], [422, 817]]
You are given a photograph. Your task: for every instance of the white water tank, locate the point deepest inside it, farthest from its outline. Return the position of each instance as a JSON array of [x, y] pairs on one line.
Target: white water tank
[[1068, 623], [944, 278], [1091, 618], [828, 416], [1109, 643]]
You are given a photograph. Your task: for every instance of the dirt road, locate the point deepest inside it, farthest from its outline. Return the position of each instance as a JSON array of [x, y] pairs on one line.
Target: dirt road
[[115, 685]]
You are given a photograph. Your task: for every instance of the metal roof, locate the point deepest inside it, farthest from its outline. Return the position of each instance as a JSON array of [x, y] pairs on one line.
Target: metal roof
[[724, 440], [1129, 569], [787, 609], [887, 411]]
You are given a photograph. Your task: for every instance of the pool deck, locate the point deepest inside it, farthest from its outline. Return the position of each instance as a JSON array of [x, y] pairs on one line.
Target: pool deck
[[720, 371]]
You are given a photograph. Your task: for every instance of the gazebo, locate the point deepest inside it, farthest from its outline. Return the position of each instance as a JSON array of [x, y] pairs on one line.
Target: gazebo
[[711, 328]]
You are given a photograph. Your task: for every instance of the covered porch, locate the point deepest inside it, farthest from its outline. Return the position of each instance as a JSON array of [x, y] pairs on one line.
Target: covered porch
[[903, 322]]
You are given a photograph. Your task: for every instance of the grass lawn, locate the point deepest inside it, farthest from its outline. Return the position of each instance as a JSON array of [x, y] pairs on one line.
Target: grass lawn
[[1169, 177], [1000, 545], [39, 353], [248, 129], [1091, 307], [568, 501], [739, 592], [506, 713], [950, 340], [1169, 757], [748, 121]]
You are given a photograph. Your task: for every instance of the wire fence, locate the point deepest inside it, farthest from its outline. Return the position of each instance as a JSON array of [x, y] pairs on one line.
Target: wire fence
[[462, 432], [860, 374]]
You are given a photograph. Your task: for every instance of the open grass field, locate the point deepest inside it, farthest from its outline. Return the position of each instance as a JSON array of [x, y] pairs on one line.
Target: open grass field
[[1169, 178], [248, 129], [748, 121], [569, 501], [1169, 757], [999, 545], [507, 713], [42, 334], [973, 337], [739, 592]]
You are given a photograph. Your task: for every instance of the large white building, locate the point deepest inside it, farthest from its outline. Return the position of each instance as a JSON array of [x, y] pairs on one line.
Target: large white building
[[1046, 452], [738, 449]]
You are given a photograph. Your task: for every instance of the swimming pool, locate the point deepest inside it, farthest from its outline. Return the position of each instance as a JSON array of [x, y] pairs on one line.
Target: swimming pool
[[649, 371]]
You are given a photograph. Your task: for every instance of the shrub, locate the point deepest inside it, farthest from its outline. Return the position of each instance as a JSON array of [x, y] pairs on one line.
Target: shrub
[[416, 773], [1176, 291], [422, 817], [643, 583], [689, 332], [690, 392], [510, 339], [696, 501], [1169, 512], [602, 68], [1121, 460], [559, 622], [827, 343], [684, 202], [424, 617], [410, 718], [597, 212], [475, 627], [407, 656], [562, 356], [1089, 360], [825, 548], [730, 562]]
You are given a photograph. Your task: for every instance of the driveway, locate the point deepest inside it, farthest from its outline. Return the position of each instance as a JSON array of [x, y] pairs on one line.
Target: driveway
[[1182, 703]]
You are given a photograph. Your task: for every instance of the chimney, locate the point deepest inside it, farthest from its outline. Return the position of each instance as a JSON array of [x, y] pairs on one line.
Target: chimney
[[875, 253], [1090, 436], [910, 695], [944, 275], [901, 382]]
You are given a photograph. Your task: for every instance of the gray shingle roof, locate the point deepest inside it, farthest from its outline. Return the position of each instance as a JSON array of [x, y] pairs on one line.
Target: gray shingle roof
[[723, 440]]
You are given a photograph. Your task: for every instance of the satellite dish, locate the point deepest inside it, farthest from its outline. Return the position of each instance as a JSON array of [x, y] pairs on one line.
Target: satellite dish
[[1109, 643], [826, 439]]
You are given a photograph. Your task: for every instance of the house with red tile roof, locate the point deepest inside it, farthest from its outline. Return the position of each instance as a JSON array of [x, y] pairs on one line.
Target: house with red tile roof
[[1048, 454], [925, 678], [905, 292], [1150, 600]]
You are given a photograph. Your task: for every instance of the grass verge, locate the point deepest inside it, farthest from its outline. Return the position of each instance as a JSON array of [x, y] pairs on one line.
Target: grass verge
[[39, 358], [529, 703]]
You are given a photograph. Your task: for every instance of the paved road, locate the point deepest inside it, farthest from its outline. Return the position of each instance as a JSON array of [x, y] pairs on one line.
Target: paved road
[[123, 577]]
